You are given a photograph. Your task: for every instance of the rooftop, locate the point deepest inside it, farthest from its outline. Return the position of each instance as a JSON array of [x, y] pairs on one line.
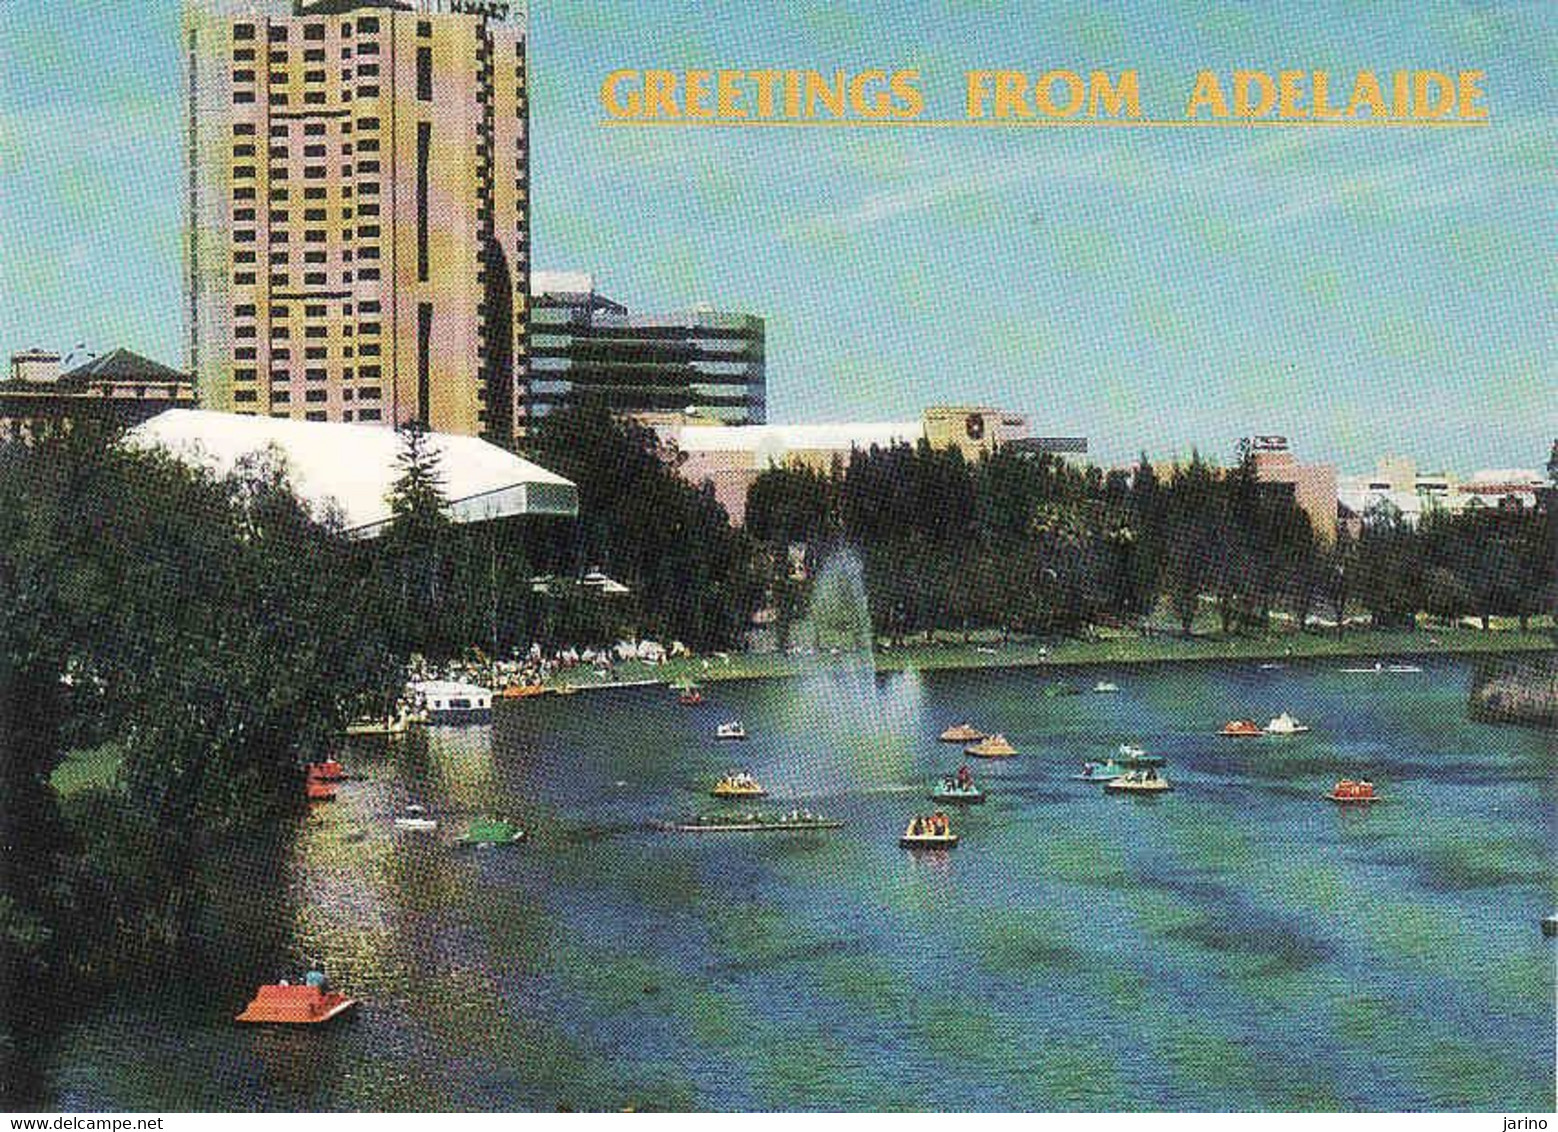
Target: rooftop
[[351, 468]]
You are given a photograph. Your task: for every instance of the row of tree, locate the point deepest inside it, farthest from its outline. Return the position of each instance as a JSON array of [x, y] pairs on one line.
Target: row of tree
[[1017, 543]]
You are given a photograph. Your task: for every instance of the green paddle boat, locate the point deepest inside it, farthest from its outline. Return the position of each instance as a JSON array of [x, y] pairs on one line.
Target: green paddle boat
[[487, 832]]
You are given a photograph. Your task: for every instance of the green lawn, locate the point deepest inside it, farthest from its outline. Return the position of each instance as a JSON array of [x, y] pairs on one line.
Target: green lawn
[[950, 652], [86, 770]]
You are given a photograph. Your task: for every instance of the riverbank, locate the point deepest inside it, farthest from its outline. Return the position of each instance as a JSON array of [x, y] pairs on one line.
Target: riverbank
[[1105, 651], [1520, 690]]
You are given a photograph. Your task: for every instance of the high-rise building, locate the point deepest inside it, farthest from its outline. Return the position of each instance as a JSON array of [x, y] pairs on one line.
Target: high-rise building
[[700, 362], [359, 210]]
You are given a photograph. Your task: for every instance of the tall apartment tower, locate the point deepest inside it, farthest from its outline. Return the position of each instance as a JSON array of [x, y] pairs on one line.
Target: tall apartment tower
[[359, 234]]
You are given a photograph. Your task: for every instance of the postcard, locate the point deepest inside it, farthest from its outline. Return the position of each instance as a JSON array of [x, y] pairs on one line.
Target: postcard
[[932, 557]]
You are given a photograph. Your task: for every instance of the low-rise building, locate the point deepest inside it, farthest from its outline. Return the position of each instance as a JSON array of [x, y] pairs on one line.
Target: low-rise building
[[1397, 488], [730, 458], [120, 388], [349, 470], [1312, 486]]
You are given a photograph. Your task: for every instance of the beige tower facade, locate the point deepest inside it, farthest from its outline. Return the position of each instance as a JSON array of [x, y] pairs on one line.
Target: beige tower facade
[[358, 239]]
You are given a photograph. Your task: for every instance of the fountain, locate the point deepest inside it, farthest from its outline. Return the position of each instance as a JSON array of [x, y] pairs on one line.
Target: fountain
[[860, 725]]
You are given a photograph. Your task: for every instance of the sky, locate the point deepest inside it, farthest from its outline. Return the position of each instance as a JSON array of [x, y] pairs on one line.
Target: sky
[[1361, 291]]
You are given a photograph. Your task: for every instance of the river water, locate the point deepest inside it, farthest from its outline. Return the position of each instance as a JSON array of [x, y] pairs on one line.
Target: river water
[[1238, 944]]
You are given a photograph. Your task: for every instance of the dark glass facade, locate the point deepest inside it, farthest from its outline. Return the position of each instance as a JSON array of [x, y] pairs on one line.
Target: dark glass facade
[[708, 362]]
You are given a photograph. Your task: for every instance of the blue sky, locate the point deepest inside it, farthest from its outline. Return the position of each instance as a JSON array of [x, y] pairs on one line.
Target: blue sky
[[1360, 291]]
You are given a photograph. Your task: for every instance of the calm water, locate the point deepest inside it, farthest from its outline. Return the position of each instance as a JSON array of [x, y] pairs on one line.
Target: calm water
[[1238, 944]]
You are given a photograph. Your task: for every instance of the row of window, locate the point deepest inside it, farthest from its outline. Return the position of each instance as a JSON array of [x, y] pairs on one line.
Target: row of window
[[281, 78], [310, 310], [310, 278], [248, 375], [278, 33]]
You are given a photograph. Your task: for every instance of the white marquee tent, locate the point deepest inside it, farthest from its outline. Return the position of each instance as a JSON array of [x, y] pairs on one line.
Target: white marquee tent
[[352, 467]]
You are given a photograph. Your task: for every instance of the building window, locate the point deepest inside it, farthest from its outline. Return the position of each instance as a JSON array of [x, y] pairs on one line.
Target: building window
[[244, 395], [313, 31], [243, 76], [314, 416], [425, 29], [281, 396], [368, 415], [424, 360], [367, 25], [243, 31], [242, 96], [424, 147], [425, 74], [316, 395], [278, 33]]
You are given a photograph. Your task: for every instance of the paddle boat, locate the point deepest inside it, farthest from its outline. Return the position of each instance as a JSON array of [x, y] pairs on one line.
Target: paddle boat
[[1103, 687], [991, 747], [689, 696], [932, 832], [1147, 781], [1240, 729], [1285, 724], [1106, 771], [310, 1003], [958, 787], [731, 730], [328, 771], [738, 784], [962, 733], [414, 817], [487, 832], [1271, 666], [794, 821], [1352, 792]]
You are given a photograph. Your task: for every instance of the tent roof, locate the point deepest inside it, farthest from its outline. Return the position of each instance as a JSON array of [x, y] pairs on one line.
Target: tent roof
[[352, 467]]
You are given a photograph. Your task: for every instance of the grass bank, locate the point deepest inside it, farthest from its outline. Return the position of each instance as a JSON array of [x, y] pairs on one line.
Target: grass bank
[[1119, 649], [86, 770]]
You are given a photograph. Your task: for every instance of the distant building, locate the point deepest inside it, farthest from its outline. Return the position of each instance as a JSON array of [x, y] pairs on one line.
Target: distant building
[[731, 458], [704, 362], [119, 388], [1312, 487], [1398, 489], [359, 194]]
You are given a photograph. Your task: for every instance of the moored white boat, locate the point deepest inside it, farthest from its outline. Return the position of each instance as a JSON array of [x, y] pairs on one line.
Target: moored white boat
[[452, 702]]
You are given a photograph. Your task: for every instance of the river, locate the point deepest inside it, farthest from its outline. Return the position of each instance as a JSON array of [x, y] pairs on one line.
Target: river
[[1238, 944]]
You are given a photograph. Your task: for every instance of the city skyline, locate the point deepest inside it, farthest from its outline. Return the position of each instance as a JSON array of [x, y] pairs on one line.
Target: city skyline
[[1361, 292]]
